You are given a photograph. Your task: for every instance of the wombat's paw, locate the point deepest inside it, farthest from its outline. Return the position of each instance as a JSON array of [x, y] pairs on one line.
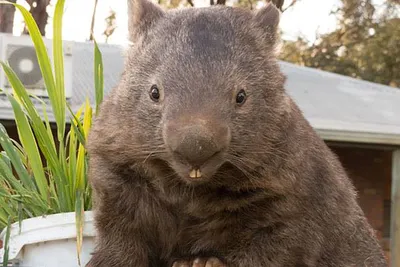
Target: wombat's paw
[[199, 262]]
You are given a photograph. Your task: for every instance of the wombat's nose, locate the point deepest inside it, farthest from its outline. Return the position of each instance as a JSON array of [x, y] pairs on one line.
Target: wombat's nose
[[196, 149], [196, 144]]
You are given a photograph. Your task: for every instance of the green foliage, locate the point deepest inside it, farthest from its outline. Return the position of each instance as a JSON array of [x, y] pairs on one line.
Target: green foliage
[[6, 246], [46, 173], [365, 44]]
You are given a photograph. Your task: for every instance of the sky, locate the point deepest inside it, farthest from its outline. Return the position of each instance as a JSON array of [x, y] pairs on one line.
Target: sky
[[306, 18]]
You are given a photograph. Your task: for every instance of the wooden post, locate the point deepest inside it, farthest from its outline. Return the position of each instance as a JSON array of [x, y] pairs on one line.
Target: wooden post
[[395, 211]]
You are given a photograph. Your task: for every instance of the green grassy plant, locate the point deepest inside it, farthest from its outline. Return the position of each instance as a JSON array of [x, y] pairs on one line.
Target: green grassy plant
[[46, 173]]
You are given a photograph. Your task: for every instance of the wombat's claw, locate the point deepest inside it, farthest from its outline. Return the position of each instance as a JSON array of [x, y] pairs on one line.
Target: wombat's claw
[[199, 262]]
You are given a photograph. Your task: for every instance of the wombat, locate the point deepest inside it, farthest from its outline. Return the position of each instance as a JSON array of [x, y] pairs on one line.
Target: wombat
[[200, 158]]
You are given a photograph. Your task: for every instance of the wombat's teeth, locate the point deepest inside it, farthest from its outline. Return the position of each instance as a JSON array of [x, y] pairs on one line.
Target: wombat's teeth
[[192, 173], [195, 173]]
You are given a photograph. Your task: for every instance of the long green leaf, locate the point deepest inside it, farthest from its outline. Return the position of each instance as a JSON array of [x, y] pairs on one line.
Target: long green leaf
[[60, 182], [20, 93], [6, 241], [80, 167], [29, 144], [79, 221], [43, 60], [7, 175], [98, 76], [4, 205], [72, 159], [59, 65], [44, 137], [48, 126], [37, 205], [19, 193], [77, 125], [12, 153], [3, 217]]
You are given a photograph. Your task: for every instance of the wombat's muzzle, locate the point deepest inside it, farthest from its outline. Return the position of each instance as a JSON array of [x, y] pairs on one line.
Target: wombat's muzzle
[[197, 142]]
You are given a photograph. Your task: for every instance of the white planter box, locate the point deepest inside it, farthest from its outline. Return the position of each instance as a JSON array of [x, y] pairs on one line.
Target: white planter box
[[49, 241]]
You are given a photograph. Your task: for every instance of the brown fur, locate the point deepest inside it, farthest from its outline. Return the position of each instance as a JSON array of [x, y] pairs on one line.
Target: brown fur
[[275, 195]]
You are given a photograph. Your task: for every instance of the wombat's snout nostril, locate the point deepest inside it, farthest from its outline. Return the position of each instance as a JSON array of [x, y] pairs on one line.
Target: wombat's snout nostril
[[196, 143], [196, 149]]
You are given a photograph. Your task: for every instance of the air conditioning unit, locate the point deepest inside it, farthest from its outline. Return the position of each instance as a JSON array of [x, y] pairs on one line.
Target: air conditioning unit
[[19, 53]]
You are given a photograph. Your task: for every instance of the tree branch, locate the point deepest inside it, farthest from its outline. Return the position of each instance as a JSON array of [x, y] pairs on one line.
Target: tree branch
[[251, 4], [289, 6]]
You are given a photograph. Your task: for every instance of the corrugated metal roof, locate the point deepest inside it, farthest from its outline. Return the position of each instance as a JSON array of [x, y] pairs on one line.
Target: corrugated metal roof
[[340, 108]]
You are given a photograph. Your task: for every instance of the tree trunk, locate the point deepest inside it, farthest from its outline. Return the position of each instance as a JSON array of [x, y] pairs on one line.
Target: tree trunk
[[39, 13], [279, 3], [7, 17]]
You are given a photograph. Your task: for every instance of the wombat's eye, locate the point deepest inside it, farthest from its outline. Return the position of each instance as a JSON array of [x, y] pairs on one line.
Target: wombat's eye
[[154, 93], [241, 97]]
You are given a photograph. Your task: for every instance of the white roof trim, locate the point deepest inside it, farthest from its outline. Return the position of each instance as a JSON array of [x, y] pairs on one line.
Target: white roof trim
[[359, 137], [357, 132]]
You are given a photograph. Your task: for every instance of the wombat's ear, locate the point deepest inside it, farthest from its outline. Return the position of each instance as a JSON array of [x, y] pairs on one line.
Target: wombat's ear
[[142, 15], [267, 20]]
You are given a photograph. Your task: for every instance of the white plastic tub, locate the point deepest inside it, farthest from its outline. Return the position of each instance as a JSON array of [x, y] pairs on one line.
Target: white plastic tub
[[49, 241]]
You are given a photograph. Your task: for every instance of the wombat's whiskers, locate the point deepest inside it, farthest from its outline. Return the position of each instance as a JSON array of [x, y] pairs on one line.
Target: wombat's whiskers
[[246, 168]]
